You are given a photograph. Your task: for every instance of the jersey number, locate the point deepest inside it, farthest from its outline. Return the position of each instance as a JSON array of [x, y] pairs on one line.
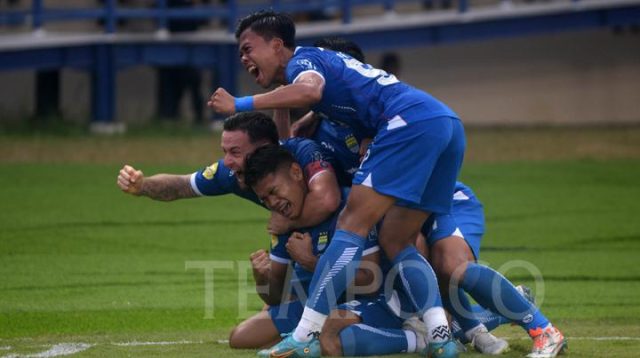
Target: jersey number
[[383, 78]]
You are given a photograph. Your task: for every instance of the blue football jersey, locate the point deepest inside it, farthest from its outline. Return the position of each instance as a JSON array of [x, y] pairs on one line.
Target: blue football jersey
[[340, 140], [363, 97]]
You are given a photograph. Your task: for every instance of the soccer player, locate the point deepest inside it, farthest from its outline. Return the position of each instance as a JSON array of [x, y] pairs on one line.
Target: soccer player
[[278, 179], [409, 171], [242, 134]]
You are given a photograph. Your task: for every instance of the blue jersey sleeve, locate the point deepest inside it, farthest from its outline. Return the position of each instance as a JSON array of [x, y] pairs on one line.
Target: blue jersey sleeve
[[217, 179], [303, 62], [278, 250], [311, 156]]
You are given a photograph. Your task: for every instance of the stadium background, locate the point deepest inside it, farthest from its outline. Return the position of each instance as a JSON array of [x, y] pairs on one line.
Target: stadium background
[[554, 153]]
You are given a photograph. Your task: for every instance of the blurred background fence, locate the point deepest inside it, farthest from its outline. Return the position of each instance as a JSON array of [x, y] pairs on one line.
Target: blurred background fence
[[496, 62]]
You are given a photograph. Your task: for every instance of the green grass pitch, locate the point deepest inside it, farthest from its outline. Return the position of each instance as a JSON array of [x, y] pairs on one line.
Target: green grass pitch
[[83, 263]]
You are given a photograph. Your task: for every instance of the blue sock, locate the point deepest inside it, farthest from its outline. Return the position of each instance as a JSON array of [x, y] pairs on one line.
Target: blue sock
[[363, 340], [464, 315], [489, 319], [493, 291], [335, 271], [417, 279]]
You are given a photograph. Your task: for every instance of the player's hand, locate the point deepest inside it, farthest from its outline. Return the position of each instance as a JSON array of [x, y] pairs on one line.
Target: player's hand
[[305, 126], [300, 248], [222, 102], [364, 146], [261, 265], [130, 180], [279, 224]]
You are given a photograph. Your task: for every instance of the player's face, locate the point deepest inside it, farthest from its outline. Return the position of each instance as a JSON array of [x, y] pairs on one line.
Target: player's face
[[283, 191], [236, 146], [260, 57]]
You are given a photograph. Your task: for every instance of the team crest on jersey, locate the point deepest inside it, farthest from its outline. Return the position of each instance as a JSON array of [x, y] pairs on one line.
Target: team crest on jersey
[[352, 143], [210, 171], [306, 64], [323, 238], [274, 241]]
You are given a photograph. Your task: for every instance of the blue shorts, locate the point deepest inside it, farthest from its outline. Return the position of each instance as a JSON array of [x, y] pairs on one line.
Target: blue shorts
[[286, 316], [466, 220], [416, 162], [374, 312]]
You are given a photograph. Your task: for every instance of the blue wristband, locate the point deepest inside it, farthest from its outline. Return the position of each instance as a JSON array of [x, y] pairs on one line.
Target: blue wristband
[[243, 104]]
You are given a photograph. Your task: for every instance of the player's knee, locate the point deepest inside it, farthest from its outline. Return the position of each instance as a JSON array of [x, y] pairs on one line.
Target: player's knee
[[235, 338]]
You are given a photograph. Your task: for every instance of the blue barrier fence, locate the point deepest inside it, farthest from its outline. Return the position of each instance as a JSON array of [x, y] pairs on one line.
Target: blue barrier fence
[[110, 13]]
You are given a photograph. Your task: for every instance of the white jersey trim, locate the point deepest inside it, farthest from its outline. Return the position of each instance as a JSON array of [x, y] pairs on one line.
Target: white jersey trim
[[317, 175], [279, 259], [307, 71], [194, 186]]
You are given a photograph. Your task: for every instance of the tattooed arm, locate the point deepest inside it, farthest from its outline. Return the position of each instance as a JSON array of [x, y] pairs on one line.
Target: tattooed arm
[[163, 187]]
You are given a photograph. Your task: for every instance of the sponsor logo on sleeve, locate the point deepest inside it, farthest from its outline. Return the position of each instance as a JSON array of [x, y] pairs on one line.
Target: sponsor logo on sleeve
[[210, 171], [306, 64]]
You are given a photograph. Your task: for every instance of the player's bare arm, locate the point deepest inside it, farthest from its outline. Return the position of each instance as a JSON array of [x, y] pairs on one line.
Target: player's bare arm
[[321, 202], [305, 92], [305, 126], [269, 276], [282, 119], [162, 187]]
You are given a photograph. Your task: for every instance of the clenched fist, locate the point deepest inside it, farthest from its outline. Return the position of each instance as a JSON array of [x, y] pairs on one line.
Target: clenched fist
[[222, 102], [130, 180], [261, 264]]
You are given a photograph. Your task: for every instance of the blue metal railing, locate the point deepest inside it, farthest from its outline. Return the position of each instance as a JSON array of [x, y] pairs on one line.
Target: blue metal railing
[[111, 12]]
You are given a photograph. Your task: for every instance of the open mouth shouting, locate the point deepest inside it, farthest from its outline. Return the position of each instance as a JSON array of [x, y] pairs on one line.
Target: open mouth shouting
[[254, 71]]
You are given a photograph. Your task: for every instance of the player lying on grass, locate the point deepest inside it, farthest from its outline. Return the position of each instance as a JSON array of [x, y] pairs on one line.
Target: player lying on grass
[[242, 134], [278, 179], [409, 171]]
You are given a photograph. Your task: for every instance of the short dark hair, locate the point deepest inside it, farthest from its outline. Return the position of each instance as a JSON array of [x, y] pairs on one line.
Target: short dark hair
[[269, 24], [340, 44], [264, 161], [257, 125]]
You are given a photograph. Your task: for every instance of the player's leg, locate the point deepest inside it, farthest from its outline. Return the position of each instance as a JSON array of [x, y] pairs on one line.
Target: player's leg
[[264, 329], [255, 332], [336, 266], [330, 337], [492, 290], [368, 327], [412, 273], [450, 256]]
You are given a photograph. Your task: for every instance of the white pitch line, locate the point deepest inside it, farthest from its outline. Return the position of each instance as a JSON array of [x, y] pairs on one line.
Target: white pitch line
[[611, 338], [61, 349], [605, 338], [136, 343]]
